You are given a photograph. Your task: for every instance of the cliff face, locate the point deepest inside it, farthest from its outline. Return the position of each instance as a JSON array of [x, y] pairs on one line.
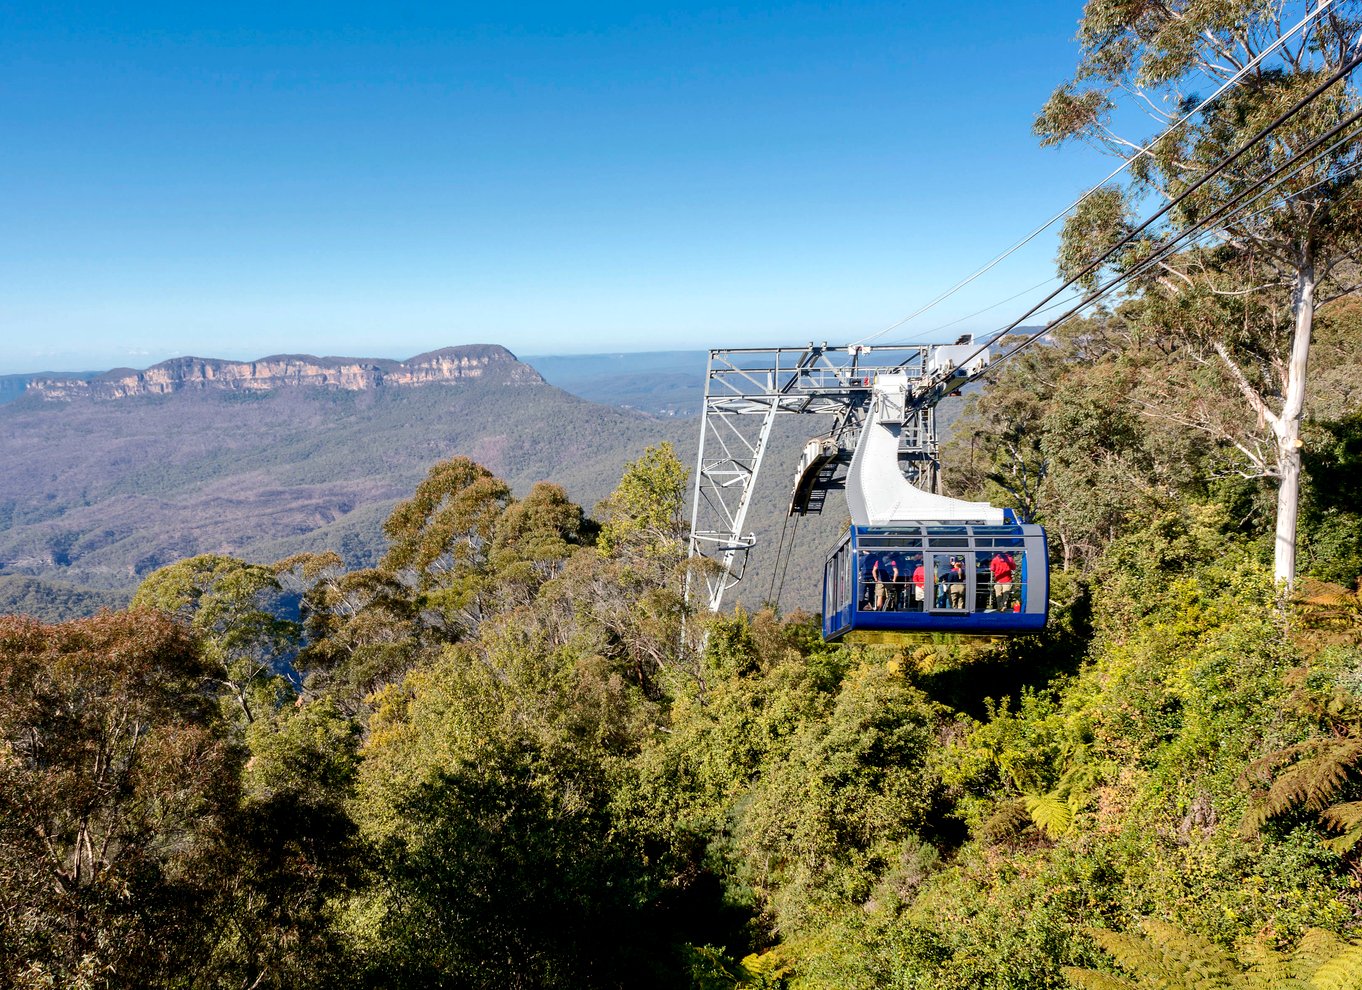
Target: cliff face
[[447, 365]]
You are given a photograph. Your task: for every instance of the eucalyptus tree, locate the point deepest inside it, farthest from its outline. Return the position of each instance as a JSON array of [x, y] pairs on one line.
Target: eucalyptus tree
[[441, 537], [235, 608], [1245, 303]]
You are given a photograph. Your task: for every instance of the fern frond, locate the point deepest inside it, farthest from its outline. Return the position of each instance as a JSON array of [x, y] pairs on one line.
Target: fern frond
[[1132, 953], [1342, 972], [1345, 843], [1255, 818], [1262, 768], [1324, 593], [1343, 816], [1315, 781], [1268, 969], [1316, 948], [1195, 961], [1091, 979], [1052, 815]]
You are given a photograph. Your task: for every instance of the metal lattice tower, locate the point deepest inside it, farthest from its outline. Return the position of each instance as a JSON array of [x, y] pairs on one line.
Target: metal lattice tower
[[747, 388]]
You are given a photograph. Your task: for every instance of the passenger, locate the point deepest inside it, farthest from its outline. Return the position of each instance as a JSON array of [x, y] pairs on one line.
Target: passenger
[[919, 583], [886, 570], [955, 583], [893, 574], [875, 596], [1002, 567]]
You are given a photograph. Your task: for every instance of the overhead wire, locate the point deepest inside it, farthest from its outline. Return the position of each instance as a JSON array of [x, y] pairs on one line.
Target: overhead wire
[[1143, 150], [794, 534], [1342, 72], [780, 550], [1181, 240]]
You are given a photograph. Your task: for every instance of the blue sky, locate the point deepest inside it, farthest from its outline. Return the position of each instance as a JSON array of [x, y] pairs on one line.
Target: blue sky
[[242, 180]]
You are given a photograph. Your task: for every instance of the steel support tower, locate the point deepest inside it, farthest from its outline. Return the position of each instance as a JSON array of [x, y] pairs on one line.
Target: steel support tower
[[747, 388]]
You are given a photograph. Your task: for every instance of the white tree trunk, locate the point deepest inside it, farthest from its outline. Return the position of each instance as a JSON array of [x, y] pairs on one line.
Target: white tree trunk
[[1288, 427]]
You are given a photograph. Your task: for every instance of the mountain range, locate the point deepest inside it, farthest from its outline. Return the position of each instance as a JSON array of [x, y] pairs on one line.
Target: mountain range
[[114, 474], [109, 479]]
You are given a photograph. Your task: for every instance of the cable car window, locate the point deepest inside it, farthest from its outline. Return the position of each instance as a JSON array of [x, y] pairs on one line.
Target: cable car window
[[998, 586], [948, 571], [890, 542], [913, 588], [870, 567], [1018, 602], [844, 569], [950, 541], [983, 583]]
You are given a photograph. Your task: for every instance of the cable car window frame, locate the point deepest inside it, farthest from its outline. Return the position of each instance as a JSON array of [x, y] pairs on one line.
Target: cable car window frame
[[935, 597]]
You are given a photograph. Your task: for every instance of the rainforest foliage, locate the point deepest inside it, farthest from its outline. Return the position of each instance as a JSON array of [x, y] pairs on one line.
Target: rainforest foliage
[[509, 757]]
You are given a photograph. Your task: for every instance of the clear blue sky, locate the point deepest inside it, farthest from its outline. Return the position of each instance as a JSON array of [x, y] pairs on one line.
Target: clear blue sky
[[244, 179]]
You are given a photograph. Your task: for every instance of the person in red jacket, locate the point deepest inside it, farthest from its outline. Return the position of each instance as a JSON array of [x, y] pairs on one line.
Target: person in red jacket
[[1002, 566], [919, 580]]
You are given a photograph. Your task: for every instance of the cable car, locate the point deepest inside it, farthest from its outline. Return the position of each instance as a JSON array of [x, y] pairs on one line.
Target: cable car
[[983, 580], [914, 562]]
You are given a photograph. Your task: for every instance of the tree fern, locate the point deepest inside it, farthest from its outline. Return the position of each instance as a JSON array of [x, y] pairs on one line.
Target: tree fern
[[1091, 979], [1332, 607], [1052, 814], [1315, 782], [1342, 972], [1346, 818], [1269, 969], [1316, 948], [1168, 958], [1190, 958]]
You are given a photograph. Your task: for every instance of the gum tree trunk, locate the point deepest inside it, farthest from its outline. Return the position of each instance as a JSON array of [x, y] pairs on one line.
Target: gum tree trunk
[[1288, 425]]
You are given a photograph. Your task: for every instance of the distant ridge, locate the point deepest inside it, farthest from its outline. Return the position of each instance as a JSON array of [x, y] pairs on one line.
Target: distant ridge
[[446, 365]]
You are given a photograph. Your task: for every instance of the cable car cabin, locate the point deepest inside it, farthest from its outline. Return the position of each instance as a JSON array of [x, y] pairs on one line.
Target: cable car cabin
[[920, 578]]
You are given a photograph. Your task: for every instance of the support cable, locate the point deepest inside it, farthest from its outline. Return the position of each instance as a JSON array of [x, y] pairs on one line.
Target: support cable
[[1175, 243], [780, 549], [1342, 72], [1143, 150], [794, 534]]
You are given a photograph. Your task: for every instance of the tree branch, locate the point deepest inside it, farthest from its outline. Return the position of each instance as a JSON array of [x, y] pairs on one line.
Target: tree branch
[[1251, 395]]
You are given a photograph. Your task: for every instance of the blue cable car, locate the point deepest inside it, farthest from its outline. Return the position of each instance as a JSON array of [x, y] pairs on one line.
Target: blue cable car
[[915, 562], [981, 580]]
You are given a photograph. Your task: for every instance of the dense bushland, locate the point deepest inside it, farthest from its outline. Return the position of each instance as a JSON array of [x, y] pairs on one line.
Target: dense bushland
[[507, 756]]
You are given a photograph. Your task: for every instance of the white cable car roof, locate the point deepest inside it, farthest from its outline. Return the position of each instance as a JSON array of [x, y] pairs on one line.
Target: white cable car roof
[[877, 492]]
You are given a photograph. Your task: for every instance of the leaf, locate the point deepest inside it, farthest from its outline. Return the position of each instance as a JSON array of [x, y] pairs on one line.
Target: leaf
[[1199, 961], [1052, 816], [1343, 844], [1316, 948], [1343, 816], [1312, 782], [1268, 969], [1131, 952], [1342, 972], [1091, 979]]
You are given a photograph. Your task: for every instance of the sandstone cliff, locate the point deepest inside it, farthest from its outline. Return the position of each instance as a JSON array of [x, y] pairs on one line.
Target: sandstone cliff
[[447, 365]]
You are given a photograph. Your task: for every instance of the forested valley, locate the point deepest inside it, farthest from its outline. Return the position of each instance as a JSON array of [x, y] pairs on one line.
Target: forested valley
[[510, 755]]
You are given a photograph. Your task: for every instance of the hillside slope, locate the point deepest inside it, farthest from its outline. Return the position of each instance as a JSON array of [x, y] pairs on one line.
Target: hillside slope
[[102, 492]]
